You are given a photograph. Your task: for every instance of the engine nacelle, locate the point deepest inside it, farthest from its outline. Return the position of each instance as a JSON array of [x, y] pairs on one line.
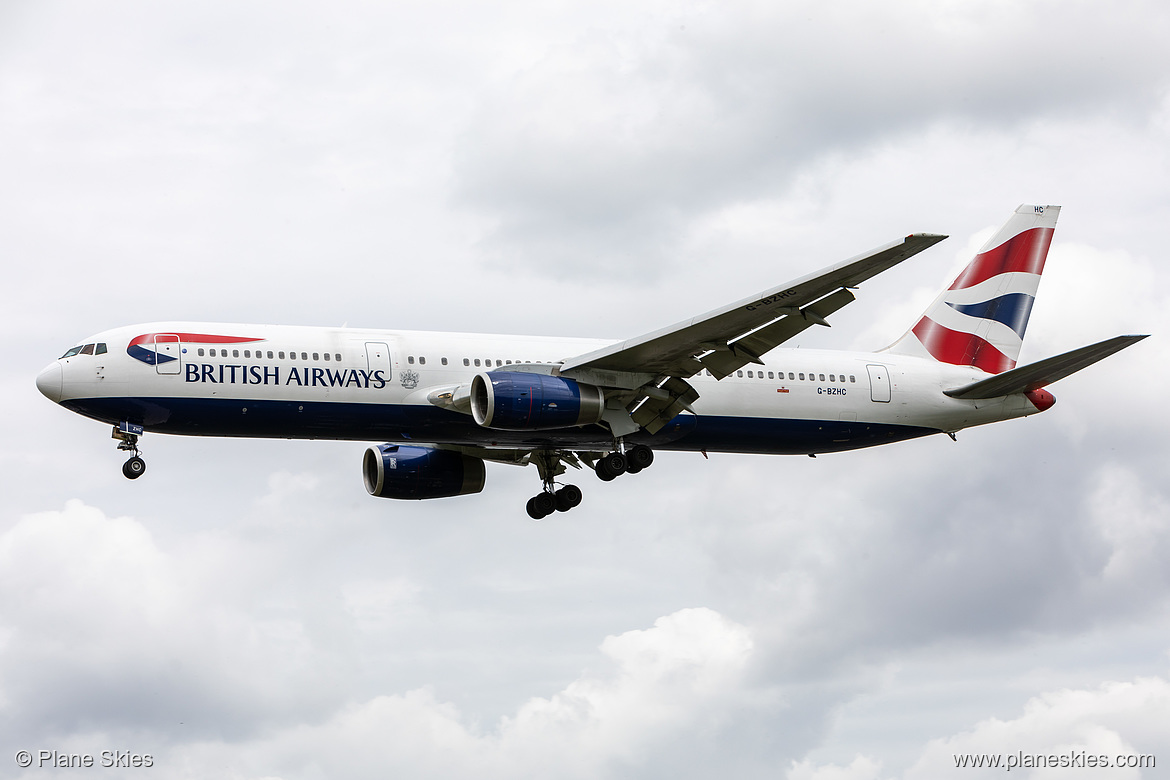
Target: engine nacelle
[[519, 401], [394, 471]]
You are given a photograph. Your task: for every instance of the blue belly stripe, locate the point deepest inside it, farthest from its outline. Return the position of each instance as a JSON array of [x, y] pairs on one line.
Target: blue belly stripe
[[415, 423]]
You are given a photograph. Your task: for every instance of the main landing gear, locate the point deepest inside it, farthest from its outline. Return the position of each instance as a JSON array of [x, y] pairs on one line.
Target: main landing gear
[[127, 435], [549, 500], [551, 464], [617, 463]]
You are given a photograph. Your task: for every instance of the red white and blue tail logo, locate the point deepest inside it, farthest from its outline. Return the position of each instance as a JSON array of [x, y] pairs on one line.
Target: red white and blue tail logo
[[980, 319], [156, 349]]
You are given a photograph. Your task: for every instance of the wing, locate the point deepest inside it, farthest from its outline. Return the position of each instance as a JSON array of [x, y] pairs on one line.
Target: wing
[[653, 368]]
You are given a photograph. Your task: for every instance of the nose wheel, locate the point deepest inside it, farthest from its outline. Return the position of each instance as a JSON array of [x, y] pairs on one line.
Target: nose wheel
[[134, 468], [127, 435]]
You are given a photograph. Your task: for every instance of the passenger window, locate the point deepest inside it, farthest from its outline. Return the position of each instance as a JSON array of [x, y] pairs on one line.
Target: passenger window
[[410, 359], [739, 373], [790, 376], [750, 375], [316, 356], [201, 352], [87, 349], [770, 375], [802, 377], [422, 361], [466, 362], [235, 353], [822, 377], [100, 349], [304, 356], [443, 361], [270, 354], [851, 378], [326, 357], [337, 356], [247, 353], [477, 362]]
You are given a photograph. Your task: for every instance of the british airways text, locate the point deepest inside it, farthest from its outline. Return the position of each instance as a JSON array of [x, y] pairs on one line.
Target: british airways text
[[265, 375]]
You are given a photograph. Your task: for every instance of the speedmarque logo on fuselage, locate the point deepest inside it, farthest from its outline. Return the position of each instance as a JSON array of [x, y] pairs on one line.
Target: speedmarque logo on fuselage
[[145, 347]]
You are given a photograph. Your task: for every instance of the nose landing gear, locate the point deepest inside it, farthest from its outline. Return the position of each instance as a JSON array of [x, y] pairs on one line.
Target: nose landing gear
[[127, 435]]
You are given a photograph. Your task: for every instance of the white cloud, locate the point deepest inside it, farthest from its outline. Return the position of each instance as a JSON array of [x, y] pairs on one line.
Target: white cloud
[[685, 673], [1135, 520], [861, 768], [1115, 719]]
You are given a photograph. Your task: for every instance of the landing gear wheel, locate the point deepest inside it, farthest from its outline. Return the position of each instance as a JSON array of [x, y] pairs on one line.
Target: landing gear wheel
[[541, 506], [610, 466], [568, 497], [134, 468], [639, 457]]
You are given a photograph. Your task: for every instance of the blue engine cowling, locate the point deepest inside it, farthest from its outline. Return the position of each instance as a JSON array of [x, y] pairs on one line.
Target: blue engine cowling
[[519, 401], [394, 471]]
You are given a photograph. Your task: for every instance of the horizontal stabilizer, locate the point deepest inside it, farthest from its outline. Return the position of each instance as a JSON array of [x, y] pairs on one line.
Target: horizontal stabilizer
[[1036, 375]]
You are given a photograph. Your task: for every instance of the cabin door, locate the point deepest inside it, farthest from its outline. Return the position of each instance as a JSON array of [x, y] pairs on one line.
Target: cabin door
[[879, 384], [168, 354]]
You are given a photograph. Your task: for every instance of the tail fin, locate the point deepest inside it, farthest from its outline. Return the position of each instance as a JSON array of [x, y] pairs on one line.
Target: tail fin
[[980, 319]]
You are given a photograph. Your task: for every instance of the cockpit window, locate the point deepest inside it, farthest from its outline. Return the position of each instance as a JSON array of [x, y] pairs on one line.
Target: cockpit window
[[71, 352], [100, 349], [87, 349]]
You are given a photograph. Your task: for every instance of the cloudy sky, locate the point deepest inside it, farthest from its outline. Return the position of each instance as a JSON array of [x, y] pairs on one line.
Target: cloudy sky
[[582, 169]]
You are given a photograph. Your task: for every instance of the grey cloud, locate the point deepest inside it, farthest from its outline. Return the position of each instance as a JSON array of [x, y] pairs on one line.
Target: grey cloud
[[597, 158]]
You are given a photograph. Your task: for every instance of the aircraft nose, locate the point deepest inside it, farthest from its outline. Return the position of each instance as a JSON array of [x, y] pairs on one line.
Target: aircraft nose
[[49, 382]]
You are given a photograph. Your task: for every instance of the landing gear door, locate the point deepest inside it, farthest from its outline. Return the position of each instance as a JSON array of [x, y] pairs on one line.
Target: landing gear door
[[879, 384], [168, 354], [378, 359]]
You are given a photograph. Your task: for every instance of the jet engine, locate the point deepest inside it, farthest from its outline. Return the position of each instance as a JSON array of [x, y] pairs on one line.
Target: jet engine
[[519, 401], [395, 471]]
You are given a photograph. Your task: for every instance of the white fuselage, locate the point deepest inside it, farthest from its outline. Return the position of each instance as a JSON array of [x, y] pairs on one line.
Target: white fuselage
[[372, 385]]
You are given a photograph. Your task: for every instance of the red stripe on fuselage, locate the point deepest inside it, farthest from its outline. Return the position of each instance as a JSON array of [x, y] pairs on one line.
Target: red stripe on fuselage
[[1023, 253], [197, 338], [961, 349]]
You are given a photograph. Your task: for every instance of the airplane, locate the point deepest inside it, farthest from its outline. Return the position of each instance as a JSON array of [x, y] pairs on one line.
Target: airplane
[[444, 403]]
